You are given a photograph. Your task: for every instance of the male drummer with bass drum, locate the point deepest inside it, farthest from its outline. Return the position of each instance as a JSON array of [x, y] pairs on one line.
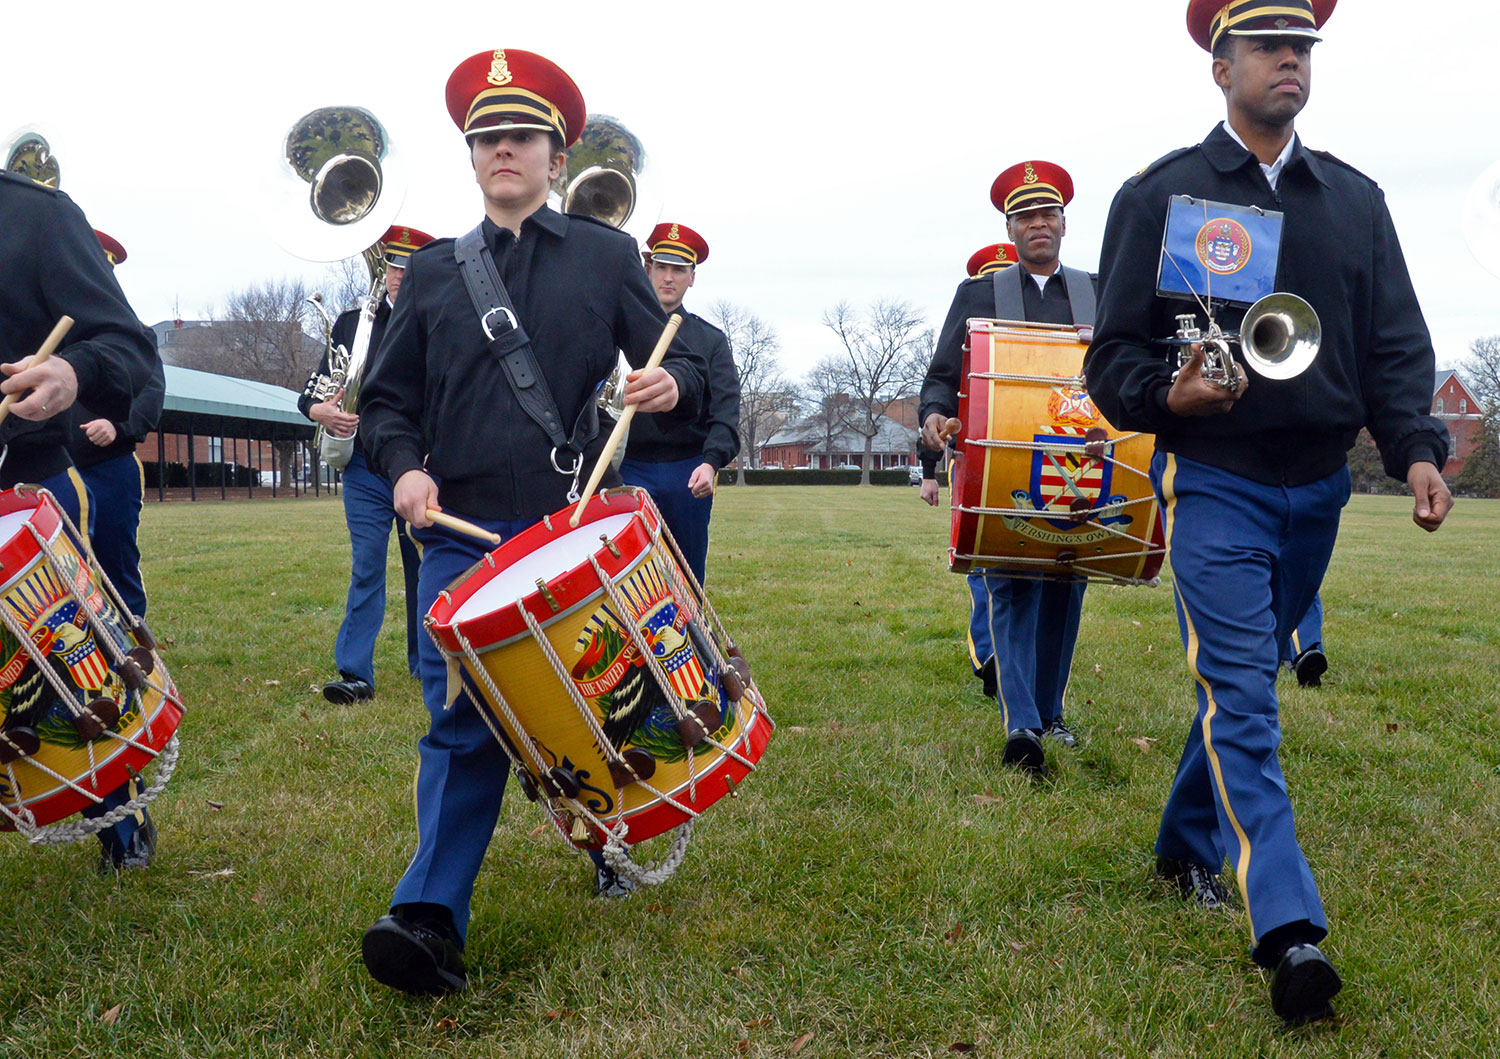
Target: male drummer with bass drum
[[368, 508], [1029, 626], [488, 411], [54, 266]]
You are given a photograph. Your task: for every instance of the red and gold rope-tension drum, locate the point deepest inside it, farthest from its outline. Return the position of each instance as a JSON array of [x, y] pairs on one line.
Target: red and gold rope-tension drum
[[85, 702], [605, 671], [1042, 485]]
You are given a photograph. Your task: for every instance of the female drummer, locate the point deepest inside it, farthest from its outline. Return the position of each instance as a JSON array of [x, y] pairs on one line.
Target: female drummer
[[458, 430]]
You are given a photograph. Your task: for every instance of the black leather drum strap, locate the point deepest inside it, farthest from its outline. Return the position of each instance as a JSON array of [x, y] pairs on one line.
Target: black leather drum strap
[[511, 345]]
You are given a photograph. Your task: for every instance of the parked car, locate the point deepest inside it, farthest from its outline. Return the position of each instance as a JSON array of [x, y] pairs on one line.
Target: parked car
[[914, 474]]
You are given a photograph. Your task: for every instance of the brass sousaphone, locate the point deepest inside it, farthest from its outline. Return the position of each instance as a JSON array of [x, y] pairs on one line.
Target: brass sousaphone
[[339, 182]]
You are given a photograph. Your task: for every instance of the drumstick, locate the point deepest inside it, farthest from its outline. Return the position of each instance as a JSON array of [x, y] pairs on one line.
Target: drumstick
[[618, 434], [458, 525], [40, 357], [950, 429]]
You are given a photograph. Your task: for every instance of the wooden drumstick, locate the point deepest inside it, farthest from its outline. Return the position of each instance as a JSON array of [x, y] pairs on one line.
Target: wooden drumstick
[[458, 525], [618, 434], [950, 430], [40, 357]]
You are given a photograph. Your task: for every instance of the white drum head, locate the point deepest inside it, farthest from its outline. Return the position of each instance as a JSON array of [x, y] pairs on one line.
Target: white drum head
[[556, 557]]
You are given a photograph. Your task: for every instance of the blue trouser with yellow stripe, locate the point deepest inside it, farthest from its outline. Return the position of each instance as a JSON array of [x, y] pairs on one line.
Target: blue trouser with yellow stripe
[[118, 486], [73, 496], [370, 513], [1247, 560], [461, 768], [1030, 627], [686, 515], [1308, 633]]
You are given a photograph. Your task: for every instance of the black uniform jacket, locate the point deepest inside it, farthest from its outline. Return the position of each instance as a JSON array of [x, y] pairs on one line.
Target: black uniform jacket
[[145, 413], [975, 297], [436, 396], [342, 334], [51, 265], [715, 434], [1339, 251]]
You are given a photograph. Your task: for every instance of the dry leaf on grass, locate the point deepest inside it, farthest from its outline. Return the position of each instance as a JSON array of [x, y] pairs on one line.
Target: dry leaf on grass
[[445, 1026], [1016, 946], [1144, 742], [222, 873], [112, 1016], [271, 683], [961, 1046], [957, 932], [216, 806], [258, 898], [801, 1042], [560, 1013], [755, 1024], [742, 1047], [986, 799], [537, 830], [1391, 726]]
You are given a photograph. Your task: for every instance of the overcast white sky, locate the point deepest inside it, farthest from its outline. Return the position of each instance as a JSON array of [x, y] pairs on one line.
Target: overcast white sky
[[826, 151]]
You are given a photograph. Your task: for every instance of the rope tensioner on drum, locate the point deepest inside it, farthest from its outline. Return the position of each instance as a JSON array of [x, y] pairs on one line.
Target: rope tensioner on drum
[[58, 834]]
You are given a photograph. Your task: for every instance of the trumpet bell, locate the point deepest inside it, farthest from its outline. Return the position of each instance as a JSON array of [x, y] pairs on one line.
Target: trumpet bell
[[339, 182], [1280, 335], [29, 154], [607, 159], [1480, 220]]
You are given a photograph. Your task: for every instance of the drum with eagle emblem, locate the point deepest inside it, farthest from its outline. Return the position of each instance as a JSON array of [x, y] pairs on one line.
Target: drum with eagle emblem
[[604, 671], [1042, 485], [85, 702]]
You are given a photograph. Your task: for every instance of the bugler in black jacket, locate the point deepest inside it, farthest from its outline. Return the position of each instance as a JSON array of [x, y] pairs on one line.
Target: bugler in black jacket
[[715, 433], [435, 394], [53, 266], [1339, 251]]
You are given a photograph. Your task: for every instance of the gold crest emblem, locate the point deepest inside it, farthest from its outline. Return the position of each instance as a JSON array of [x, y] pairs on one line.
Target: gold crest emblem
[[405, 237], [1029, 177], [673, 234], [999, 253], [499, 69]]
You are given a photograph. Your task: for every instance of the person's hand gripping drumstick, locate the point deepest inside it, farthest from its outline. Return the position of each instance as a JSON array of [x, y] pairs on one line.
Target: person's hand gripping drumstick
[[938, 429], [53, 385], [415, 499], [652, 390]]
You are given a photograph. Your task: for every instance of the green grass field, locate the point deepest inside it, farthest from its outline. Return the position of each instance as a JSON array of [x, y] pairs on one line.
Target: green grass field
[[881, 887]]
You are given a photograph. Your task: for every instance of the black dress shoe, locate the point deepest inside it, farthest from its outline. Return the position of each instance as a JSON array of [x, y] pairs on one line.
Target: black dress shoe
[[1303, 984], [418, 958], [1057, 730], [1194, 882], [986, 677], [1310, 666], [610, 885], [348, 689], [1024, 750]]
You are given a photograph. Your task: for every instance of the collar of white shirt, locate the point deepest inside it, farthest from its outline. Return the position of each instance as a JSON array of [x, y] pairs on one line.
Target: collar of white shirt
[[1272, 171]]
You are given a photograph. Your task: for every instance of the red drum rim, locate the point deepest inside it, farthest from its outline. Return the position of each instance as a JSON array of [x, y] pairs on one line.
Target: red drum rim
[[570, 589], [22, 548]]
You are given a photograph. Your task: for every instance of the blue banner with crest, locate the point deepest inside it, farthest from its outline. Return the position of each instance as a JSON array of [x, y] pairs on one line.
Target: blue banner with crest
[[1218, 250]]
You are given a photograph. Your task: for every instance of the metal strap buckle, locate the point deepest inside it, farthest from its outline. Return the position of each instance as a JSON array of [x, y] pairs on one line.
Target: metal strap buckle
[[575, 471], [484, 322]]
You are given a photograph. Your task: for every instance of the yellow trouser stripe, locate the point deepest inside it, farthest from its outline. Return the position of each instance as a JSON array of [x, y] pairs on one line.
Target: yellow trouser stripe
[[83, 500], [1242, 862]]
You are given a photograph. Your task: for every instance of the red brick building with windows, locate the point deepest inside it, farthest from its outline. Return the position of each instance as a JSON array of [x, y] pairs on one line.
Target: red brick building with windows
[[1454, 404]]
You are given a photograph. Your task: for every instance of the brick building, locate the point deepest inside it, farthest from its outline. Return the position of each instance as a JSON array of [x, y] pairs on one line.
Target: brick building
[[1455, 405]]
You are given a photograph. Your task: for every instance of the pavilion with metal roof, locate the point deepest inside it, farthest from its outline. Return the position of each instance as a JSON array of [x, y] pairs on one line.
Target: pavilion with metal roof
[[242, 421]]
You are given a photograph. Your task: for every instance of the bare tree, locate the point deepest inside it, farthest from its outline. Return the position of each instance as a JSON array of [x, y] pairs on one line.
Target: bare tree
[[344, 283], [766, 398], [886, 349], [262, 335], [1482, 371], [825, 401]]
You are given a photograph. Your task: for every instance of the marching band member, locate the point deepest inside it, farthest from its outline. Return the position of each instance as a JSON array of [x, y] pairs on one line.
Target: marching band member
[[53, 267], [369, 509], [1251, 480], [678, 465], [1029, 626], [103, 450], [446, 424], [983, 262]]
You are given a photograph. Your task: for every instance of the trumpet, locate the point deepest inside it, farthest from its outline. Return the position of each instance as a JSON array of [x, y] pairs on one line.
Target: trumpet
[[1279, 337]]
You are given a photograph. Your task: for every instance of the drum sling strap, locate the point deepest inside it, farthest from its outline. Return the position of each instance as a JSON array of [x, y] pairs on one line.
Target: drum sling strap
[[1008, 304], [512, 347]]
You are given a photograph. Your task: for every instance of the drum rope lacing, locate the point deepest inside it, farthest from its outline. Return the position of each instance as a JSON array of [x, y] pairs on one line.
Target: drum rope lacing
[[60, 833], [1074, 382], [87, 551], [640, 874]]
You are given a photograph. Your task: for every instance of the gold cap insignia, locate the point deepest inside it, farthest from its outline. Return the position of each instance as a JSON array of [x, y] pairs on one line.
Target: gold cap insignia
[[1030, 175], [1282, 23], [999, 253], [499, 69], [673, 234], [406, 237]]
